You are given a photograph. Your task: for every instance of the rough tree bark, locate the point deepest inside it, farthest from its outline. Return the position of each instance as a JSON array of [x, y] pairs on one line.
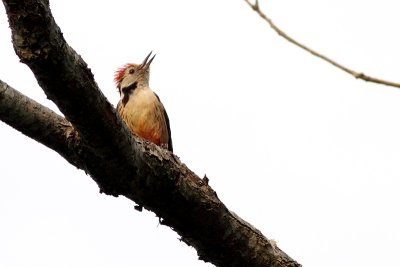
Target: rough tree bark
[[93, 138]]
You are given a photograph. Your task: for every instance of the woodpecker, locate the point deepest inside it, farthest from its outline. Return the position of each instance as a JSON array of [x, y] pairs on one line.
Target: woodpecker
[[139, 106]]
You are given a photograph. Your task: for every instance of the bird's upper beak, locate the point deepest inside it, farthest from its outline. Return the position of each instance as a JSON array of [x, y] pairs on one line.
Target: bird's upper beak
[[146, 62]]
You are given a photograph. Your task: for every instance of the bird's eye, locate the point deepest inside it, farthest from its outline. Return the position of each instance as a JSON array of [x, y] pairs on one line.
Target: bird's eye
[[131, 71]]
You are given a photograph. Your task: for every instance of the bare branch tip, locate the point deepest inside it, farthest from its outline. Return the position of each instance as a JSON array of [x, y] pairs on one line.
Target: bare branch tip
[[357, 75], [254, 6]]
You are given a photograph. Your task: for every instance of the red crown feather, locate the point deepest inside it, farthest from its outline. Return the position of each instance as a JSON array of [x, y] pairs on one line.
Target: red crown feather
[[119, 73]]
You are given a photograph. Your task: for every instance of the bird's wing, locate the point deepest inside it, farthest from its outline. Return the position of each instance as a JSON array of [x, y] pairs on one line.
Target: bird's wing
[[168, 126]]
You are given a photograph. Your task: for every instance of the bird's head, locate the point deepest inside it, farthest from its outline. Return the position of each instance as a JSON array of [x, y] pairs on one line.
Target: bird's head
[[133, 75]]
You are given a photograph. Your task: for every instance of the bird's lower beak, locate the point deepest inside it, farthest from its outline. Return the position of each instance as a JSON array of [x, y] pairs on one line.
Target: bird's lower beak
[[146, 62]]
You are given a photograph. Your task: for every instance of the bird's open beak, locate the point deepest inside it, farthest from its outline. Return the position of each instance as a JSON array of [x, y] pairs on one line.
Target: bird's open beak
[[146, 62]]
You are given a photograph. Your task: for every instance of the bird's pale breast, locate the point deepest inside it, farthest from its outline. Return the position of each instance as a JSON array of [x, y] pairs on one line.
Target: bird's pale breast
[[144, 115]]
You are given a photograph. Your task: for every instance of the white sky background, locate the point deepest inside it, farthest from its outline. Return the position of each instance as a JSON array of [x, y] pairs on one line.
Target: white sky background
[[301, 150]]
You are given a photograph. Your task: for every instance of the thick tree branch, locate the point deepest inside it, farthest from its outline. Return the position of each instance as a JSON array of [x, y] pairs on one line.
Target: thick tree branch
[[39, 123], [355, 74], [120, 163]]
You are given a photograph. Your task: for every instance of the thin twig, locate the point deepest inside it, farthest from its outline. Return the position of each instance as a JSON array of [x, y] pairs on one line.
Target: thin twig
[[355, 74]]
